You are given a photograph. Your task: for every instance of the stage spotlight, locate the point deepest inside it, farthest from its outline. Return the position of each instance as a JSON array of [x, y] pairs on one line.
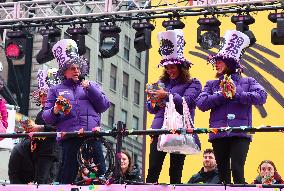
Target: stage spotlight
[[277, 34], [109, 40], [173, 24], [142, 39], [78, 35], [50, 37], [211, 37], [242, 23], [15, 45]]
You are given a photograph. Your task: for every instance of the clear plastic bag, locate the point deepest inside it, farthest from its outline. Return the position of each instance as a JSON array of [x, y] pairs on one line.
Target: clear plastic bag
[[178, 143]]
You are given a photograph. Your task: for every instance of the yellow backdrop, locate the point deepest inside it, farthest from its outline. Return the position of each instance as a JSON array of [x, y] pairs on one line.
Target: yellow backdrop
[[265, 61]]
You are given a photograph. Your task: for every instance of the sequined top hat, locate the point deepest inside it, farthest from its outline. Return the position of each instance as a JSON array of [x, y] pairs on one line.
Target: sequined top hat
[[65, 52], [172, 47], [45, 80], [232, 49]]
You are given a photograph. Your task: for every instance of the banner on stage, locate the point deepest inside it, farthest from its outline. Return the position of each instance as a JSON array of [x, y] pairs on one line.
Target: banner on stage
[[221, 188], [149, 188]]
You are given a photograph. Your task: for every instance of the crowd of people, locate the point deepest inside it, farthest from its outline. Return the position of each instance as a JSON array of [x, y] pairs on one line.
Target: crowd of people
[[229, 98]]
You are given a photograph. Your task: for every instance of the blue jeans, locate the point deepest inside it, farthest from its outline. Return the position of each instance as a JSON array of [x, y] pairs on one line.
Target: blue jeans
[[70, 166]]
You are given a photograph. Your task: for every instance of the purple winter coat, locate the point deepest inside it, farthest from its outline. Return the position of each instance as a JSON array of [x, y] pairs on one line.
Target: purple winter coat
[[87, 106], [189, 91], [248, 92]]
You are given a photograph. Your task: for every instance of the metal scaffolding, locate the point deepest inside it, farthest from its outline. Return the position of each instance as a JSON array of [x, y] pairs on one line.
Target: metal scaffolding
[[43, 12]]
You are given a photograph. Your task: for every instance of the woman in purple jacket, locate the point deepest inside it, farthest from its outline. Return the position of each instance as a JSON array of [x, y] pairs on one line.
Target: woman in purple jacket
[[175, 80], [230, 99], [87, 100]]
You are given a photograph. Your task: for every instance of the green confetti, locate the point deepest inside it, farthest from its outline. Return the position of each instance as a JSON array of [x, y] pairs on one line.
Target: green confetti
[[91, 187], [92, 175]]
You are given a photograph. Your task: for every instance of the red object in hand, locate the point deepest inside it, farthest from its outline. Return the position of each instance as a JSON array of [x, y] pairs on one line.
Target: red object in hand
[[228, 87], [63, 105]]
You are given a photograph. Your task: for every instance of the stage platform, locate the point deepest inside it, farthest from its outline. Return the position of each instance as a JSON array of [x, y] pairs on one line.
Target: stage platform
[[124, 187]]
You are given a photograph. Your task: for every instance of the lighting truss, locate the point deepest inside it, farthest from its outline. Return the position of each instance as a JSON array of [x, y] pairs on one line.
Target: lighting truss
[[61, 12]]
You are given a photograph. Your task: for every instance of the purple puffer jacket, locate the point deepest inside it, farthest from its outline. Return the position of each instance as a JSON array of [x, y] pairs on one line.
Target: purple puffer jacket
[[248, 92], [87, 106], [189, 91]]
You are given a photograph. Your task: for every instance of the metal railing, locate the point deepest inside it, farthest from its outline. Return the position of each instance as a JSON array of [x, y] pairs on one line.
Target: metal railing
[[120, 131]]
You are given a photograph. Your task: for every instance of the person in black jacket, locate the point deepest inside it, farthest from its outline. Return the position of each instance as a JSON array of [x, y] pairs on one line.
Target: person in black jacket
[[129, 174], [45, 152], [20, 166], [208, 173]]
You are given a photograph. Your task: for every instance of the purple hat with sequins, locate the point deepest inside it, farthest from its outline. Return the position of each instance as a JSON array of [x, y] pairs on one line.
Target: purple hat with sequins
[[45, 80], [171, 48], [65, 52], [232, 49]]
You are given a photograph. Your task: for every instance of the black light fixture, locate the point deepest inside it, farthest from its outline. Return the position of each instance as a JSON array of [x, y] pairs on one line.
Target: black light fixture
[[208, 33], [242, 23], [50, 37], [78, 35], [277, 34], [142, 39], [15, 44], [109, 40], [173, 24]]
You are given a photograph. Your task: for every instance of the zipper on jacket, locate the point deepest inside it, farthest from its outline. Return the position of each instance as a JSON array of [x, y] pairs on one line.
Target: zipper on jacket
[[74, 91]]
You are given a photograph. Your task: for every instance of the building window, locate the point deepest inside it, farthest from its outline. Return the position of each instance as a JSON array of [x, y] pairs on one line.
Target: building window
[[138, 60], [136, 92], [87, 54], [135, 123], [126, 47], [125, 85], [100, 69], [135, 161], [124, 116], [111, 115], [113, 71]]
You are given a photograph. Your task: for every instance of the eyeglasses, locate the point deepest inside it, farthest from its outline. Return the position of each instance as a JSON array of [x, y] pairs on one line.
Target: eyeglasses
[[74, 68]]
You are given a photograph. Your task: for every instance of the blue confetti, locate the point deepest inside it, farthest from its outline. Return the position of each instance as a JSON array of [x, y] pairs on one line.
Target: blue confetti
[[243, 127], [231, 116]]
